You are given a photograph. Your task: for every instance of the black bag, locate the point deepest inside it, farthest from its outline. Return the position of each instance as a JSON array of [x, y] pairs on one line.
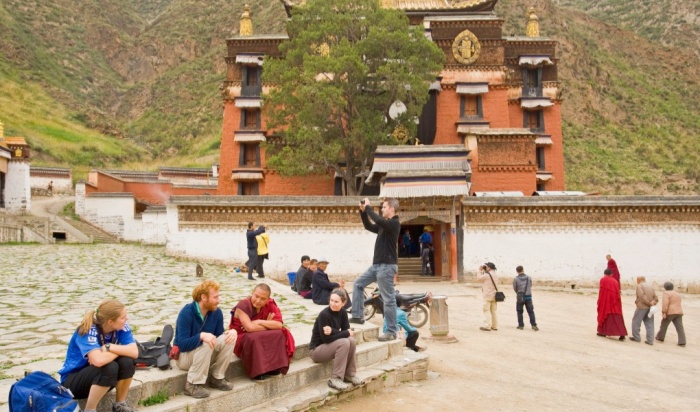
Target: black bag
[[500, 296], [521, 298], [156, 353]]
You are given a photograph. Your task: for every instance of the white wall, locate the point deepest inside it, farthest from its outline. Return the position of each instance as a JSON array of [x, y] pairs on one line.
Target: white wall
[[577, 253], [18, 194], [114, 215], [155, 227], [350, 250], [60, 184]]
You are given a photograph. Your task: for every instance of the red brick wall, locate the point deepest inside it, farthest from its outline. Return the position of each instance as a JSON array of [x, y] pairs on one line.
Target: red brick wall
[[229, 152], [108, 184], [554, 154], [495, 105], [277, 185], [151, 192]]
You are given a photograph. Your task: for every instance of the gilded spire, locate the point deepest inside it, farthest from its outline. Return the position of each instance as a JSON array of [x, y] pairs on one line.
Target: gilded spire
[[2, 132], [532, 29], [246, 28]]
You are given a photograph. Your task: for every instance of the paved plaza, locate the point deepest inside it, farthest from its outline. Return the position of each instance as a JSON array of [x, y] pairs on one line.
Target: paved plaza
[[46, 289]]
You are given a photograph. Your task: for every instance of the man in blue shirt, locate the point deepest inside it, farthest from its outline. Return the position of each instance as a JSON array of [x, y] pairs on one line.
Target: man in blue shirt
[[250, 235], [425, 239], [206, 349]]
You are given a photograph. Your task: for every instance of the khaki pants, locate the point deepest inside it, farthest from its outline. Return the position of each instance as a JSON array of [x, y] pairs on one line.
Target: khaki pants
[[342, 352], [490, 314], [207, 361]]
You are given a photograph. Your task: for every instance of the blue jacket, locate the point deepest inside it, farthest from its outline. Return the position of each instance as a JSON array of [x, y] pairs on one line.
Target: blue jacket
[[402, 321], [190, 324]]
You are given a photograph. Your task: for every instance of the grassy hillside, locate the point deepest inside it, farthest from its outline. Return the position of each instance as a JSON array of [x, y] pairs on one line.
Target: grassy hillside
[[135, 84]]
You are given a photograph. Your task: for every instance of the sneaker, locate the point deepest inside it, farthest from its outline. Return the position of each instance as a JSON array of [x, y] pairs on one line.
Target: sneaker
[[494, 328], [535, 328], [122, 407], [386, 337], [359, 321], [660, 340], [220, 384], [633, 339], [336, 383], [622, 338], [486, 329], [521, 327], [354, 380], [682, 345], [196, 391], [261, 276]]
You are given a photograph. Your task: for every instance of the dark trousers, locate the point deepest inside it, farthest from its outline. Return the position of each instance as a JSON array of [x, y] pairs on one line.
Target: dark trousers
[[80, 382], [677, 322], [252, 261], [259, 267], [530, 312], [411, 340]]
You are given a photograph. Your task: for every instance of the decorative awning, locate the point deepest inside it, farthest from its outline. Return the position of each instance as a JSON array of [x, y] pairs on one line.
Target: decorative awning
[[544, 176], [436, 85], [249, 137], [428, 157], [535, 103], [472, 88], [237, 175], [248, 102], [543, 140], [425, 183], [440, 215], [466, 128], [535, 61], [250, 59]]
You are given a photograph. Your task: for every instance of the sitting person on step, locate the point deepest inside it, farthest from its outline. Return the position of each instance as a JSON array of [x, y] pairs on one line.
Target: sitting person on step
[[264, 345], [332, 339], [206, 349], [101, 356], [321, 286]]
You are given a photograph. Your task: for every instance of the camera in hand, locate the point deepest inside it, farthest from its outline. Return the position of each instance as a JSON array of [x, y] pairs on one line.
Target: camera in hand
[[362, 202]]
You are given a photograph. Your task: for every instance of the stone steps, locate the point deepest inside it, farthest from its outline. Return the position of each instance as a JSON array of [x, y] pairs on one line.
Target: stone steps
[[98, 235]]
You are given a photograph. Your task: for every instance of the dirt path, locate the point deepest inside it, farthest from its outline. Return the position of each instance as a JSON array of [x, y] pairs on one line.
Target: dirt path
[[564, 366], [48, 206]]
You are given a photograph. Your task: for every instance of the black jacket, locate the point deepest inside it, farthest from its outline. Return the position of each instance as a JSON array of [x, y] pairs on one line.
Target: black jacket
[[321, 287], [387, 230]]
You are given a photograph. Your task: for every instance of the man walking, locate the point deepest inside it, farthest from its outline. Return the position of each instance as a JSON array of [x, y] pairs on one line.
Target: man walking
[[384, 264], [206, 349], [250, 235], [522, 285], [646, 298]]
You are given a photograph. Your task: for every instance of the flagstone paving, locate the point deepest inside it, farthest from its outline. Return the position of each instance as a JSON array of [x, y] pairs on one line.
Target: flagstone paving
[[46, 289]]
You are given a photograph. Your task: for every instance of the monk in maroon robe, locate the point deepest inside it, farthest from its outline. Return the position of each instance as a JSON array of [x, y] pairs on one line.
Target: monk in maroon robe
[[263, 344], [612, 265], [610, 321]]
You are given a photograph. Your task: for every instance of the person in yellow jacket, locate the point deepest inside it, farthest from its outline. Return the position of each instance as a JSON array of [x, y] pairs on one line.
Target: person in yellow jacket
[[263, 240]]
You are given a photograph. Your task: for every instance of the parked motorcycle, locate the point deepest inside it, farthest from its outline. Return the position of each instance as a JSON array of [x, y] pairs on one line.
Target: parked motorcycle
[[414, 304]]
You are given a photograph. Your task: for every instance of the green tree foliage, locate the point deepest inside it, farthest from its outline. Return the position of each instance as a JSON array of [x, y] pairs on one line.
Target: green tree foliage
[[345, 63]]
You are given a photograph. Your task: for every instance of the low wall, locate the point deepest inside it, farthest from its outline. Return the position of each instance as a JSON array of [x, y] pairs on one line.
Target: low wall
[[565, 241], [114, 213]]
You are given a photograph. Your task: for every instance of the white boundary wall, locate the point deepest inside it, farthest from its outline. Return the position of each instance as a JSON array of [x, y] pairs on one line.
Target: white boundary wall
[[18, 194], [577, 253]]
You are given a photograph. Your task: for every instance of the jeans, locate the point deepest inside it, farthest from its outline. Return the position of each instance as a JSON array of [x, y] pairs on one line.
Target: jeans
[[640, 315], [530, 312], [383, 274]]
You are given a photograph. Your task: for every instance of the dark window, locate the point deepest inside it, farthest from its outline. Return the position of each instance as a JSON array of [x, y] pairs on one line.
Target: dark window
[[249, 155], [247, 188], [532, 82], [540, 158], [250, 118], [541, 187], [534, 120], [470, 107], [251, 84]]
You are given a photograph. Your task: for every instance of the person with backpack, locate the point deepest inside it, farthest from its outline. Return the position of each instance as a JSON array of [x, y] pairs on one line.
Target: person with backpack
[[101, 356]]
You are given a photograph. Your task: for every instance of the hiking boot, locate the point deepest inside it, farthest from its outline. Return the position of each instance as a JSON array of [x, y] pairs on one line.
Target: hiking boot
[[386, 337], [220, 384], [535, 328], [359, 321], [196, 391], [122, 407], [485, 329], [354, 380], [521, 327], [336, 383]]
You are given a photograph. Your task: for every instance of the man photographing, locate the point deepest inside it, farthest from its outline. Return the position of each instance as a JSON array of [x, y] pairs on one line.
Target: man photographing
[[384, 264]]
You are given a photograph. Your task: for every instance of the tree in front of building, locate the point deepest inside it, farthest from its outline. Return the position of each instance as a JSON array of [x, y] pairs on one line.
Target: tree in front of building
[[351, 74]]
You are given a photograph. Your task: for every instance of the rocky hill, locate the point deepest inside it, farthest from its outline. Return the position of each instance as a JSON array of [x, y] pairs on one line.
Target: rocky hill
[[135, 84]]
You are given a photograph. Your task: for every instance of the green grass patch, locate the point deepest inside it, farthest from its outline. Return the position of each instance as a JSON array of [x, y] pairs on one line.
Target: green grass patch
[[159, 397]]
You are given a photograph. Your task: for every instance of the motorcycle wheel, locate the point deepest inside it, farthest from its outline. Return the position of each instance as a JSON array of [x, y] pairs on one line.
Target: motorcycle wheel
[[369, 312], [418, 316]]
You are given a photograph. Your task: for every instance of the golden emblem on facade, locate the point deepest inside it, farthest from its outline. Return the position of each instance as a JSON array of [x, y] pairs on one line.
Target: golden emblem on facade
[[466, 47]]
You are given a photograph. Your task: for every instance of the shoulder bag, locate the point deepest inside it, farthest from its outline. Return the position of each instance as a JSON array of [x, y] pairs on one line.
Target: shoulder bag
[[500, 296]]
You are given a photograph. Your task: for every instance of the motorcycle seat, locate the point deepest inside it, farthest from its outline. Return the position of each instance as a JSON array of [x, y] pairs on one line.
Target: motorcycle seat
[[409, 297]]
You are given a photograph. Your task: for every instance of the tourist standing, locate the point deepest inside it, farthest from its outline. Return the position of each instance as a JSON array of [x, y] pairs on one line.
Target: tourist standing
[[431, 258], [332, 339], [424, 261], [252, 244], [610, 320], [263, 240], [206, 349], [101, 356], [384, 264], [522, 285], [671, 312], [612, 265], [488, 279], [646, 298], [425, 239]]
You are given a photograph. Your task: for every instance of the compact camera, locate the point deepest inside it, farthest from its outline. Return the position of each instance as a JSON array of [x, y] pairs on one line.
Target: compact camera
[[362, 202]]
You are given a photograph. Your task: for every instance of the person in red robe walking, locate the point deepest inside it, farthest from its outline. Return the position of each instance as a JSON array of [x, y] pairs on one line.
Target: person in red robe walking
[[610, 320], [612, 265], [264, 345]]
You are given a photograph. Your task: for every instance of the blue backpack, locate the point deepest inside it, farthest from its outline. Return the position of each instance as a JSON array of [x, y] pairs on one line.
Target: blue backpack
[[39, 392]]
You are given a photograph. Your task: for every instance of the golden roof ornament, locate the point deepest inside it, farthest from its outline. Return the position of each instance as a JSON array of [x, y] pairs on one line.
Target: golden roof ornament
[[2, 131], [532, 28], [246, 28]]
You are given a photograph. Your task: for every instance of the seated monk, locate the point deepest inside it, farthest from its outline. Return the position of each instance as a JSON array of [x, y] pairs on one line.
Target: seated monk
[[263, 344]]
